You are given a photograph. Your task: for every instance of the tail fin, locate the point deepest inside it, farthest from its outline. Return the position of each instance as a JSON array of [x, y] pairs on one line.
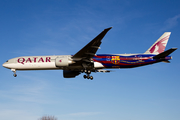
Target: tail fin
[[160, 45]]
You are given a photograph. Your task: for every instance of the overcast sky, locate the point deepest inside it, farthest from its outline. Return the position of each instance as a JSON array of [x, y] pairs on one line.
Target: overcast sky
[[63, 27]]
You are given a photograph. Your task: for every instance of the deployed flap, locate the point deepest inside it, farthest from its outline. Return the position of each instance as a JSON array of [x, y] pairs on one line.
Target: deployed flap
[[165, 53], [91, 48]]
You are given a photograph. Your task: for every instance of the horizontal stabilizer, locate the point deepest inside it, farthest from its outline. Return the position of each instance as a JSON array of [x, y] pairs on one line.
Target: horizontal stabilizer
[[104, 71], [166, 61], [165, 53]]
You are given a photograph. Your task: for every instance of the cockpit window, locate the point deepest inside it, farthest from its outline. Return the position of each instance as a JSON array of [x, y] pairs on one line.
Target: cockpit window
[[7, 61]]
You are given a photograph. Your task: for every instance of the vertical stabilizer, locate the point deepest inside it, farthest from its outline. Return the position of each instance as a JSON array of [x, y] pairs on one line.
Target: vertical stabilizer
[[160, 45]]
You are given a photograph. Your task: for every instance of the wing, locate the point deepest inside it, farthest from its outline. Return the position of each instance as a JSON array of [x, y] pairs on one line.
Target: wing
[[83, 59], [87, 52]]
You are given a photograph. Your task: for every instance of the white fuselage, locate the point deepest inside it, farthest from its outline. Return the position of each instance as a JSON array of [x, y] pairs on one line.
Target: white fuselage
[[32, 63], [39, 63]]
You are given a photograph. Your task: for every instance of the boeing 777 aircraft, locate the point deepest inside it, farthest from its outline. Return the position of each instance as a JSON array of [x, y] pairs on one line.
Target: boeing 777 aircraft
[[86, 60]]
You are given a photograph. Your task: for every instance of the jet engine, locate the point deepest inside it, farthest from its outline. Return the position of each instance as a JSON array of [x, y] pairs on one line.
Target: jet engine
[[63, 61], [70, 74]]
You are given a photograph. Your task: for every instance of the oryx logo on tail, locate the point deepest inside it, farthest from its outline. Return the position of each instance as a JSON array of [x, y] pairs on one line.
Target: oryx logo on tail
[[160, 45]]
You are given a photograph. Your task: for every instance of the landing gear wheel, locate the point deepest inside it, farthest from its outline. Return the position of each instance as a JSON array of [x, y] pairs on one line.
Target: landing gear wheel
[[88, 77], [15, 75], [85, 76], [91, 77], [88, 72]]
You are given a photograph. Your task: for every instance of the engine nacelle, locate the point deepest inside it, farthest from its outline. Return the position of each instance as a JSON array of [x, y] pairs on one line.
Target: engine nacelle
[[63, 61], [70, 74]]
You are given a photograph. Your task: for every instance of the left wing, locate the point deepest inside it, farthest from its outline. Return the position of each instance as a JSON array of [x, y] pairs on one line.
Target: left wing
[[87, 52], [83, 59]]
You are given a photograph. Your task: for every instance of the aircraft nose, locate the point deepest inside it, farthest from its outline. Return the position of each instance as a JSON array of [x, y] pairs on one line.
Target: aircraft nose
[[5, 65]]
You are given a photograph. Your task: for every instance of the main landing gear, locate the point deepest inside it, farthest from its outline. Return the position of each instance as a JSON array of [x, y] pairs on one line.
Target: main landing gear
[[88, 75], [14, 71]]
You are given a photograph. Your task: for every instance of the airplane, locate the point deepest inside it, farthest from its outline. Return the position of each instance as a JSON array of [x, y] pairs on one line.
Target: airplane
[[86, 60]]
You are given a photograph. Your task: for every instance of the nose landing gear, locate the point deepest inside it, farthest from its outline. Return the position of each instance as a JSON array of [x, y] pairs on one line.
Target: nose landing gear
[[14, 71], [15, 75]]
